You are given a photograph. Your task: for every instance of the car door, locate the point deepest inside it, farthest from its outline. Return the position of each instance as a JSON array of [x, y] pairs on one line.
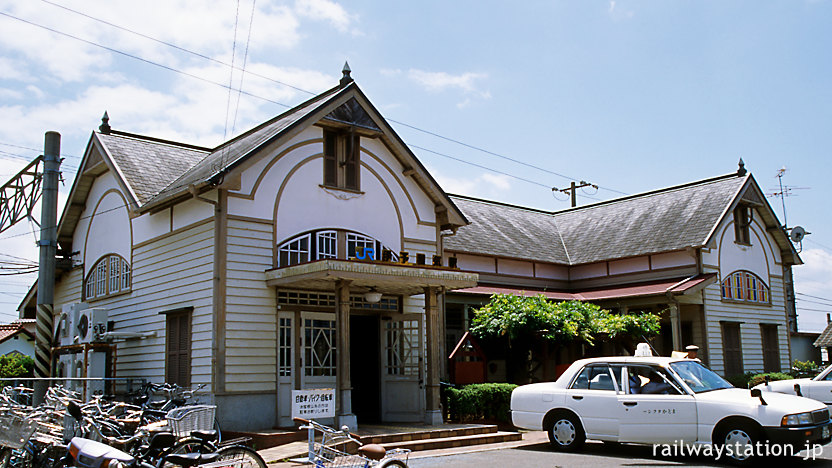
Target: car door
[[655, 417], [593, 395], [820, 390]]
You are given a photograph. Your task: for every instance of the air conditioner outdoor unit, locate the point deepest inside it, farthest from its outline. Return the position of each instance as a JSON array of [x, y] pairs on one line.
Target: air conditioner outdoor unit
[[90, 325]]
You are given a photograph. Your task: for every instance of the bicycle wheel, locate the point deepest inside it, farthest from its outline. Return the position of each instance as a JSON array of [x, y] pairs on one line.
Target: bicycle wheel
[[240, 456]]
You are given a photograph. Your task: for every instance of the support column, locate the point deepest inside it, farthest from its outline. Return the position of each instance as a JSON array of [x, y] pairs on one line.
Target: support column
[[433, 413], [676, 326], [344, 415], [46, 266]]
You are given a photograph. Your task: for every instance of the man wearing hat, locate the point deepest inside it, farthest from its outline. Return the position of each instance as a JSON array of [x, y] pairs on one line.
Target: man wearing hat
[[693, 352]]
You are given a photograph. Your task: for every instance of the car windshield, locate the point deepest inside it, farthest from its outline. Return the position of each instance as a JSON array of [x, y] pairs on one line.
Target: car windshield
[[698, 377]]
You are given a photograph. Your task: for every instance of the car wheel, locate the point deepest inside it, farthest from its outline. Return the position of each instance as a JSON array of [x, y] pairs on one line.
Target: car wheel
[[738, 443], [566, 433]]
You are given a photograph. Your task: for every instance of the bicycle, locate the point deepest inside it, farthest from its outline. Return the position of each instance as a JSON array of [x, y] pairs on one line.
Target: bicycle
[[332, 451]]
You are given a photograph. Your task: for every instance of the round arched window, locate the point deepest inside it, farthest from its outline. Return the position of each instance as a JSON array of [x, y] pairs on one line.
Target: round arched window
[[745, 286]]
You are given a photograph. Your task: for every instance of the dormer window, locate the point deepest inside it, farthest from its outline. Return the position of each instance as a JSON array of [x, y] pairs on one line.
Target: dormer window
[[341, 159], [743, 215]]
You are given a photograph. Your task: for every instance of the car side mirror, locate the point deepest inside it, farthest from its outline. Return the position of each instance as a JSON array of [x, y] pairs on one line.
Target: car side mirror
[[757, 393], [797, 390], [768, 379]]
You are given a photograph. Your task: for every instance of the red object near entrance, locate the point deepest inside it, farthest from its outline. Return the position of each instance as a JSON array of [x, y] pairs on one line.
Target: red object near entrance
[[467, 362]]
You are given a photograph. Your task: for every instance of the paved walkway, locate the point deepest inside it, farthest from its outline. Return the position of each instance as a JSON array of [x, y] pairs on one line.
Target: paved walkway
[[277, 457]]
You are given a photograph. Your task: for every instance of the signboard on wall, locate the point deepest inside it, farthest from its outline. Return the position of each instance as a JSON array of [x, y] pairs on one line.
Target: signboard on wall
[[314, 403]]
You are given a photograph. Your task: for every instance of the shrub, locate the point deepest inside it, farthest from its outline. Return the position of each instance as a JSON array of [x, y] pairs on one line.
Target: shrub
[[804, 369], [760, 378], [740, 380], [16, 365], [489, 401]]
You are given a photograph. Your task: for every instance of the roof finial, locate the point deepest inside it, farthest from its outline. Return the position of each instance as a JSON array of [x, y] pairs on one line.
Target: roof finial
[[346, 79], [741, 171], [105, 124]]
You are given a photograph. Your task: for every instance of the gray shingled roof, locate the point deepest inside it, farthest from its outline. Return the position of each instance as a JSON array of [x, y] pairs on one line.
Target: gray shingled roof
[[229, 153], [149, 166], [660, 221], [507, 231]]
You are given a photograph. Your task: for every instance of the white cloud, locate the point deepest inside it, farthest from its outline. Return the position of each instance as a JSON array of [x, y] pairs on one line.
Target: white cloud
[[484, 185], [327, 11], [440, 81], [618, 13]]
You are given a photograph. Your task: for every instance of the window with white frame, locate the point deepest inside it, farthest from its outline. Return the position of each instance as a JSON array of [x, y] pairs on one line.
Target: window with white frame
[[294, 251], [321, 244], [110, 275], [327, 244], [359, 245]]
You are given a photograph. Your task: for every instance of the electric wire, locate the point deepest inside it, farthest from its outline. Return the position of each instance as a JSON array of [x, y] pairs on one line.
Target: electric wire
[[434, 134], [814, 297]]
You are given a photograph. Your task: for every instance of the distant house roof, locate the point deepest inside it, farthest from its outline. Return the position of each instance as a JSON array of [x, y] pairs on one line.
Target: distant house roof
[[825, 338], [665, 220], [10, 330]]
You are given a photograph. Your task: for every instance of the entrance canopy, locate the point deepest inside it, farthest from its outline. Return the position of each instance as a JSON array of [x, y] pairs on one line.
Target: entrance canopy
[[385, 277]]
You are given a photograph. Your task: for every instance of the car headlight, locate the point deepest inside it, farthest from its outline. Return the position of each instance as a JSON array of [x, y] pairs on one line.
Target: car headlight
[[799, 419]]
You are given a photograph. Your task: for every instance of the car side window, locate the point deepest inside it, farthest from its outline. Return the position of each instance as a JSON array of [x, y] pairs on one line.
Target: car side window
[[652, 380], [594, 378]]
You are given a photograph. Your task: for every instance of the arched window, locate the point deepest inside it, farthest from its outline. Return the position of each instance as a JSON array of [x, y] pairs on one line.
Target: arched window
[[110, 275], [317, 245], [745, 286]]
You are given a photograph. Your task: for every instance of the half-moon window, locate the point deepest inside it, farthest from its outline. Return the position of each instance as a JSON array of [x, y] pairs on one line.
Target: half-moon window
[[110, 275], [745, 286]]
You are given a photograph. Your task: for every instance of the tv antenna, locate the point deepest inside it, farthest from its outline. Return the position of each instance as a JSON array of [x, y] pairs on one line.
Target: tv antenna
[[797, 233]]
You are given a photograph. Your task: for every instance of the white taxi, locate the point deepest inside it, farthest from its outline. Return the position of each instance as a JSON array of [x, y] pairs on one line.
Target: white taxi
[[659, 400], [818, 388]]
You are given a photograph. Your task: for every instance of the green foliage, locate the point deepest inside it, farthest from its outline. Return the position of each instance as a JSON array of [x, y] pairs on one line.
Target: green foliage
[[16, 365], [740, 380], [523, 318], [760, 378], [805, 368], [488, 401]]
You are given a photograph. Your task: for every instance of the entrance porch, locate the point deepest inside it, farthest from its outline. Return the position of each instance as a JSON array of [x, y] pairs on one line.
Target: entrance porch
[[380, 351]]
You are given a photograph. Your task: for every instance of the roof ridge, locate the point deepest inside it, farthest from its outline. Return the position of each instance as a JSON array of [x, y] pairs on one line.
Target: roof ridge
[[652, 192], [499, 203], [137, 136], [283, 114]]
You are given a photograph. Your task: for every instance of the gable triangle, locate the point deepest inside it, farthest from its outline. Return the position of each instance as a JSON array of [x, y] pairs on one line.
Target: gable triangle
[[352, 113]]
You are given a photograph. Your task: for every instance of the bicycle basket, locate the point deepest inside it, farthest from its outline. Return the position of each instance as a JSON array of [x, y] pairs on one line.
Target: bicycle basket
[[15, 430], [326, 456], [186, 419]]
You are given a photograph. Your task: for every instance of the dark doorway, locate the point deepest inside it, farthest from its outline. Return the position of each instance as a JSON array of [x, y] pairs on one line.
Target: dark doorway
[[365, 368]]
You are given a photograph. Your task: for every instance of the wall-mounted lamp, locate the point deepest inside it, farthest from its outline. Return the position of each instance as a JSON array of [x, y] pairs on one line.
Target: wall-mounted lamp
[[372, 296]]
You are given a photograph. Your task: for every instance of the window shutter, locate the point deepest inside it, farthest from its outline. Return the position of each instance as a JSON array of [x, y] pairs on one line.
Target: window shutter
[[771, 348], [178, 349], [330, 159], [732, 348], [352, 166]]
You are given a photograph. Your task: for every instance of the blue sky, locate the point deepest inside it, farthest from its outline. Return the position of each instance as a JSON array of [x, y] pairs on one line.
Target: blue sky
[[629, 95]]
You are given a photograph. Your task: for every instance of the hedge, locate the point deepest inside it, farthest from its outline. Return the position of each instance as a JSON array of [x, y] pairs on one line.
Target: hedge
[[489, 401], [760, 378]]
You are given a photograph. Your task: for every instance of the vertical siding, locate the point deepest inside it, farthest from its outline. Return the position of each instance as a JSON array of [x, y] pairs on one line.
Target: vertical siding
[[251, 309], [751, 316]]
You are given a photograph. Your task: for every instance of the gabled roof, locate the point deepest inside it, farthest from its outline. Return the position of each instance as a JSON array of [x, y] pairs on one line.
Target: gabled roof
[[825, 338], [155, 173], [664, 220], [10, 330]]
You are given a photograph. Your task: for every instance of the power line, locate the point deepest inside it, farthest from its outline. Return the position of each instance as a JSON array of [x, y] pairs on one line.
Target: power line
[[191, 75], [244, 71], [814, 297]]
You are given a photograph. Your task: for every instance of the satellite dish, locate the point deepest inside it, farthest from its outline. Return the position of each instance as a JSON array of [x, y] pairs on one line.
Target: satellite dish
[[797, 234]]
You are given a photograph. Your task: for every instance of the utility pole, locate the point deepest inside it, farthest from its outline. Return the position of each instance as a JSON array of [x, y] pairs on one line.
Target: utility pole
[[48, 244], [572, 190]]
